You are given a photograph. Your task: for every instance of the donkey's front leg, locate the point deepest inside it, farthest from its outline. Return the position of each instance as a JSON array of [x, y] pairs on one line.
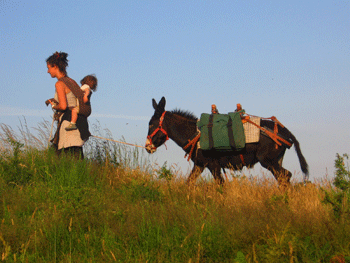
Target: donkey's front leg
[[215, 170], [196, 171]]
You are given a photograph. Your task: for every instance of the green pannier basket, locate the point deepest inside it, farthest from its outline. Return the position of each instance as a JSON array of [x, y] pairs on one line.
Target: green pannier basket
[[221, 132]]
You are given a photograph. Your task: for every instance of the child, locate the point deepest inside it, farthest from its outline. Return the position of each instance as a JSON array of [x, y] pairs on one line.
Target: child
[[88, 83]]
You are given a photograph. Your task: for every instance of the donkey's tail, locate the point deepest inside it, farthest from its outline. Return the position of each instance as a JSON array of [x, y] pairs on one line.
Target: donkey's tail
[[303, 164]]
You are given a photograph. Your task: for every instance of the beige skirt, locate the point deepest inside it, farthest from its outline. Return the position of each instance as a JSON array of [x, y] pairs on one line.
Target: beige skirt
[[69, 138]]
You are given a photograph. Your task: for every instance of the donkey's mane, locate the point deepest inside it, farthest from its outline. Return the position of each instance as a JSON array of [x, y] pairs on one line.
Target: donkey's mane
[[186, 114]]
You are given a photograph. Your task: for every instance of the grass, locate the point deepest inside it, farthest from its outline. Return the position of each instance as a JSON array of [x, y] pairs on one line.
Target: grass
[[115, 207]]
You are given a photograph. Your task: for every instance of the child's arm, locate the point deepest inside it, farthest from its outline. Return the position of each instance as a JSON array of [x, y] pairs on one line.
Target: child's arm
[[86, 95]]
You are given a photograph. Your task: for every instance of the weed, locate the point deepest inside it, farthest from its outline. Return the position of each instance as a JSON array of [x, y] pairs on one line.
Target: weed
[[240, 258], [165, 173]]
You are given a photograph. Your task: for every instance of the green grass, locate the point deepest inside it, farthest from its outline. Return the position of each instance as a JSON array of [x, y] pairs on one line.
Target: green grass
[[114, 207]]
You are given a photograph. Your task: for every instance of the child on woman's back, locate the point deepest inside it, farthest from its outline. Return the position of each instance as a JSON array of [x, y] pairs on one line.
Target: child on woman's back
[[88, 83]]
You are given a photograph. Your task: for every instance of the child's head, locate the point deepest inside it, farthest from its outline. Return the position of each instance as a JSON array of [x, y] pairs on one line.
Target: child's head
[[90, 80]]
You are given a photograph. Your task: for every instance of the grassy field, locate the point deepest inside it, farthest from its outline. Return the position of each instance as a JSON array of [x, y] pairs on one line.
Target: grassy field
[[114, 206]]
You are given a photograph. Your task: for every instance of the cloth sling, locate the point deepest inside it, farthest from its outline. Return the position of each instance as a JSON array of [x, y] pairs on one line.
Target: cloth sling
[[84, 108]]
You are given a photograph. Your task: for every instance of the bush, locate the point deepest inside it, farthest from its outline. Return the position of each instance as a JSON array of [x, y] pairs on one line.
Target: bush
[[340, 196]]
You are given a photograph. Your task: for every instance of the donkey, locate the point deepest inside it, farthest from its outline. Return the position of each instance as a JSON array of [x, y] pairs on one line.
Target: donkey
[[180, 126]]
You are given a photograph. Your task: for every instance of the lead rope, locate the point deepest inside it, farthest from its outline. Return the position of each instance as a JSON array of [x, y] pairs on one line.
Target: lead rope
[[53, 120], [117, 141]]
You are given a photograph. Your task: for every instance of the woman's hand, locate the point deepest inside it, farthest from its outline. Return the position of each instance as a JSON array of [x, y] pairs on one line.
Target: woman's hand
[[53, 104], [47, 102]]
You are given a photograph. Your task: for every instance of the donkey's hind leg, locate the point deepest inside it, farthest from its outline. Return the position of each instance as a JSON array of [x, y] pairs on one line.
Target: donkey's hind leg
[[271, 159], [196, 171], [282, 175]]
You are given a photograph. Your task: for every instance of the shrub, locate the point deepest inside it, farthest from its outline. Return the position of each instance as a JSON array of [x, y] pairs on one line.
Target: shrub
[[340, 196]]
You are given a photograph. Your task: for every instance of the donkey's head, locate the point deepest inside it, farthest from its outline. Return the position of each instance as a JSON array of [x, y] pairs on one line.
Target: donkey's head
[[157, 134]]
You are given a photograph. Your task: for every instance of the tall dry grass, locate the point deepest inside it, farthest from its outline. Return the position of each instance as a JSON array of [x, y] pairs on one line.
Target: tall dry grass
[[109, 208]]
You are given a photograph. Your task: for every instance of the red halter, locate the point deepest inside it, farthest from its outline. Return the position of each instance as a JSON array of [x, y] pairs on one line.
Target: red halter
[[160, 128]]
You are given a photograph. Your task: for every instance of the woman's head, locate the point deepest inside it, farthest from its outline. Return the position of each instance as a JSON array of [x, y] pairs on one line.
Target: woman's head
[[90, 80], [58, 59]]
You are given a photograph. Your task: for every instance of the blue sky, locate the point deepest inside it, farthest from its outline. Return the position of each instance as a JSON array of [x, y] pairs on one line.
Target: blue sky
[[288, 59]]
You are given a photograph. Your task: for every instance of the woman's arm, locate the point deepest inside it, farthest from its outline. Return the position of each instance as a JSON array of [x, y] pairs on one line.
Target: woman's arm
[[62, 98]]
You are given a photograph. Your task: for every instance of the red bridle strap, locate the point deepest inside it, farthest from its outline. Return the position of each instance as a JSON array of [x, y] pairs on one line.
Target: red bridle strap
[[160, 128]]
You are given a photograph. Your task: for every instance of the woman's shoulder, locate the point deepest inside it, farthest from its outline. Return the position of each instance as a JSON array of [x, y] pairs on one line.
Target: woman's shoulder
[[68, 83], [60, 84]]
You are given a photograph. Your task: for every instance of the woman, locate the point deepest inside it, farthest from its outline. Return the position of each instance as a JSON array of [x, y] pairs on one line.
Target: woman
[[67, 92]]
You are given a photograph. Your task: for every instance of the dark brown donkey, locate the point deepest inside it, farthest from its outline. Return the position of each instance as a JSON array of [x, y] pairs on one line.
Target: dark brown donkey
[[180, 126]]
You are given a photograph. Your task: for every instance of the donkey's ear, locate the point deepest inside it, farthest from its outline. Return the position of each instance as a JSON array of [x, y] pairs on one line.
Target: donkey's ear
[[161, 103], [154, 103]]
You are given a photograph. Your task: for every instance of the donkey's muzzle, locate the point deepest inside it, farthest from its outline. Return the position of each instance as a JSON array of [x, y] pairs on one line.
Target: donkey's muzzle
[[150, 148]]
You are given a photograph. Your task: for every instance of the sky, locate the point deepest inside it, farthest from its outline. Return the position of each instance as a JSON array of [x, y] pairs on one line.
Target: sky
[[288, 59]]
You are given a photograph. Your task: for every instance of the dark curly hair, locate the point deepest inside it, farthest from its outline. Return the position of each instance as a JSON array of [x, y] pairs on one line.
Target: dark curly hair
[[90, 80], [60, 60]]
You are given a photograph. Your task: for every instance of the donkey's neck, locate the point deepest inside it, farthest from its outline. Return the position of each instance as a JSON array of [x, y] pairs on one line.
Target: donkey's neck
[[181, 129]]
